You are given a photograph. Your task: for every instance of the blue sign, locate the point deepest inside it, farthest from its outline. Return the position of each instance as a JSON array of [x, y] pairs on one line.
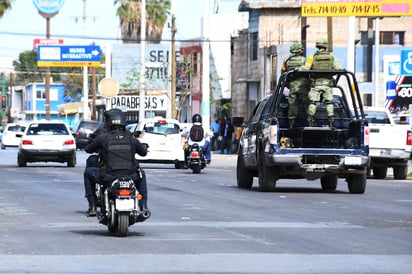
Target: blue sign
[[65, 56], [48, 6], [406, 62]]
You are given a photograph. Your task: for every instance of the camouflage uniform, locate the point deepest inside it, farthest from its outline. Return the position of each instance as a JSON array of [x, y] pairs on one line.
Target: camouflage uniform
[[297, 86], [321, 60]]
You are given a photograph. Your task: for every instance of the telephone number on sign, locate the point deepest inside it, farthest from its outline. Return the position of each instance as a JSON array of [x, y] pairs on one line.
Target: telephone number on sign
[[350, 9]]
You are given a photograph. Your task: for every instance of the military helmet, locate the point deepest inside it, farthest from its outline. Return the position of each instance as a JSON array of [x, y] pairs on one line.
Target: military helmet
[[322, 43], [296, 47], [115, 117]]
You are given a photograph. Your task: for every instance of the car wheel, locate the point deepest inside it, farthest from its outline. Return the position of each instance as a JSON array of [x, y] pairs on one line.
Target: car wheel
[[21, 161], [267, 175], [379, 172], [329, 182], [244, 176], [356, 183], [179, 165], [2, 146], [400, 172], [72, 161]]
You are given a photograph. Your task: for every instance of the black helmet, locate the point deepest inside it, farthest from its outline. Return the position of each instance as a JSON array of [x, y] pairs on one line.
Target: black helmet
[[115, 118], [197, 119]]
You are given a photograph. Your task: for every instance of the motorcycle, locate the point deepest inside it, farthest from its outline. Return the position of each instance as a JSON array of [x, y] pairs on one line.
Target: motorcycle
[[196, 158], [118, 205]]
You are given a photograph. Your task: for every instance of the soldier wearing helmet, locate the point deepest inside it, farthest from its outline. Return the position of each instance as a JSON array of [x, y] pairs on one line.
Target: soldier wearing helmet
[[322, 84], [116, 149], [298, 90]]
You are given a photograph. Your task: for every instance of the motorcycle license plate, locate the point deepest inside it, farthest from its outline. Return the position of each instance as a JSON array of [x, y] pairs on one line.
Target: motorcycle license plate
[[124, 204]]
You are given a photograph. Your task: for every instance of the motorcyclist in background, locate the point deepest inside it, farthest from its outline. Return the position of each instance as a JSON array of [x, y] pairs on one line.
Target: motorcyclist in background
[[196, 134], [116, 149]]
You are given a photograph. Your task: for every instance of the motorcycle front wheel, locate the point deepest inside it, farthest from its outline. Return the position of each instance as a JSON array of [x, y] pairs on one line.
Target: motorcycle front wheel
[[123, 224]]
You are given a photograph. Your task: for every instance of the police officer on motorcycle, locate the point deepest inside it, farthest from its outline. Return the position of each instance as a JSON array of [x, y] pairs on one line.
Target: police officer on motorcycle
[[197, 135], [117, 149]]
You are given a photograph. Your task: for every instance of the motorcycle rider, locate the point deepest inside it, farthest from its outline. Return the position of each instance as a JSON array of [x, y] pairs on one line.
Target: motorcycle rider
[[196, 135], [117, 149]]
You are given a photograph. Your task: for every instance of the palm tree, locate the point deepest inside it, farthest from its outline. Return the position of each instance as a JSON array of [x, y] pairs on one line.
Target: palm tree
[[129, 16], [4, 5]]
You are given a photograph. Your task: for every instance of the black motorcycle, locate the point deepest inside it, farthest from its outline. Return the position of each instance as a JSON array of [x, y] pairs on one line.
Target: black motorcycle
[[118, 205], [196, 158]]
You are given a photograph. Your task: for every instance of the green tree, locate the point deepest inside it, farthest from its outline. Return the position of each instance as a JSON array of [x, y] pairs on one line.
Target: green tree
[[4, 6], [129, 16]]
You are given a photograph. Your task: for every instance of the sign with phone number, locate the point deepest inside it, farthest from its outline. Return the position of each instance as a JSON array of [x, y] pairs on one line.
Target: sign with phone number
[[361, 8]]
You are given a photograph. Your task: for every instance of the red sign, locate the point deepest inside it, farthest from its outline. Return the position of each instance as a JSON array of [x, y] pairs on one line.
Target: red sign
[[44, 41]]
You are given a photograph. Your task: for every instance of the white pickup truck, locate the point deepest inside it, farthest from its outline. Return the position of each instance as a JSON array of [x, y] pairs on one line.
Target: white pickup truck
[[390, 144]]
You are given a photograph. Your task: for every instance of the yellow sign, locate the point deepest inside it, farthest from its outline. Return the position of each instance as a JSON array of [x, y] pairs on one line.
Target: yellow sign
[[360, 8], [67, 64]]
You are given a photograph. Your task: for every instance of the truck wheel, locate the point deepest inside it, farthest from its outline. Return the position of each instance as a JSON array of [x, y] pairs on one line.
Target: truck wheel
[[356, 183], [400, 172], [244, 175], [329, 182], [380, 172], [267, 176]]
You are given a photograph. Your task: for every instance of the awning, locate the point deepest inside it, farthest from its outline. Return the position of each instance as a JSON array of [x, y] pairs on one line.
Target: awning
[[70, 108]]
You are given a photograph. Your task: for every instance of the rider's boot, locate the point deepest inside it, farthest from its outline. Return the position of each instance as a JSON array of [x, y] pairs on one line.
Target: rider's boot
[[92, 208]]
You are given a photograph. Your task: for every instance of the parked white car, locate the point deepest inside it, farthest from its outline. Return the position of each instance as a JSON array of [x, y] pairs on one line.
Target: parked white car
[[47, 141], [12, 135], [164, 139]]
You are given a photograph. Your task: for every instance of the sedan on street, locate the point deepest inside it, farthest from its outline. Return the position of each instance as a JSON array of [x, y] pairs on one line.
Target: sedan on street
[[47, 141]]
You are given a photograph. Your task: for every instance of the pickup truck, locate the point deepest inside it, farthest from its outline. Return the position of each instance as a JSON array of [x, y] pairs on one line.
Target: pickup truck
[[270, 149], [389, 144]]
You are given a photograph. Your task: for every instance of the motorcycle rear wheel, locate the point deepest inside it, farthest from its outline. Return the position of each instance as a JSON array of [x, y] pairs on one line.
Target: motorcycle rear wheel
[[196, 169], [112, 224], [123, 224]]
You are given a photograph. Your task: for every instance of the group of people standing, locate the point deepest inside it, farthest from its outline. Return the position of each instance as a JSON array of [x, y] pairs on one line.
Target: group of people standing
[[309, 91], [225, 137]]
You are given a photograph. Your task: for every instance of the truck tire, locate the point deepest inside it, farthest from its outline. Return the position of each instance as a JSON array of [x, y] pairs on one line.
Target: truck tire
[[267, 175], [244, 175], [380, 172], [329, 182], [400, 172], [356, 183]]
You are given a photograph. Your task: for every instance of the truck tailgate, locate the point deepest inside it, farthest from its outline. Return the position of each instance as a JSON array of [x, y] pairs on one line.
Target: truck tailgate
[[389, 136]]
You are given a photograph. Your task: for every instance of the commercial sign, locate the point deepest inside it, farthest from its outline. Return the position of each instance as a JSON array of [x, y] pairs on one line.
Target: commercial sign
[[126, 64], [68, 56], [132, 102], [398, 84], [360, 8], [45, 41], [48, 6]]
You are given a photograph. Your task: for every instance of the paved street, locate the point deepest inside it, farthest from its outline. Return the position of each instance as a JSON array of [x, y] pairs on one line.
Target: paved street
[[202, 223]]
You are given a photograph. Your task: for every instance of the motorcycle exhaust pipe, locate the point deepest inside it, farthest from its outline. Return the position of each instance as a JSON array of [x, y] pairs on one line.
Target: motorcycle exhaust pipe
[[146, 214]]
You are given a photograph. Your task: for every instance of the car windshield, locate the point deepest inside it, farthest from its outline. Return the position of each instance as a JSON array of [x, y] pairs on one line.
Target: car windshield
[[161, 128], [377, 117], [47, 129]]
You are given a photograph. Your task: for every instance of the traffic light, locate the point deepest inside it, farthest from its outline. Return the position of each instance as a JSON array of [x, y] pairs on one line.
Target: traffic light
[[4, 101]]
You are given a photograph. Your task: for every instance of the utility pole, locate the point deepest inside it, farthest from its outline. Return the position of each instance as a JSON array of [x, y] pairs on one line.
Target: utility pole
[[173, 67], [330, 36], [142, 61], [205, 68]]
